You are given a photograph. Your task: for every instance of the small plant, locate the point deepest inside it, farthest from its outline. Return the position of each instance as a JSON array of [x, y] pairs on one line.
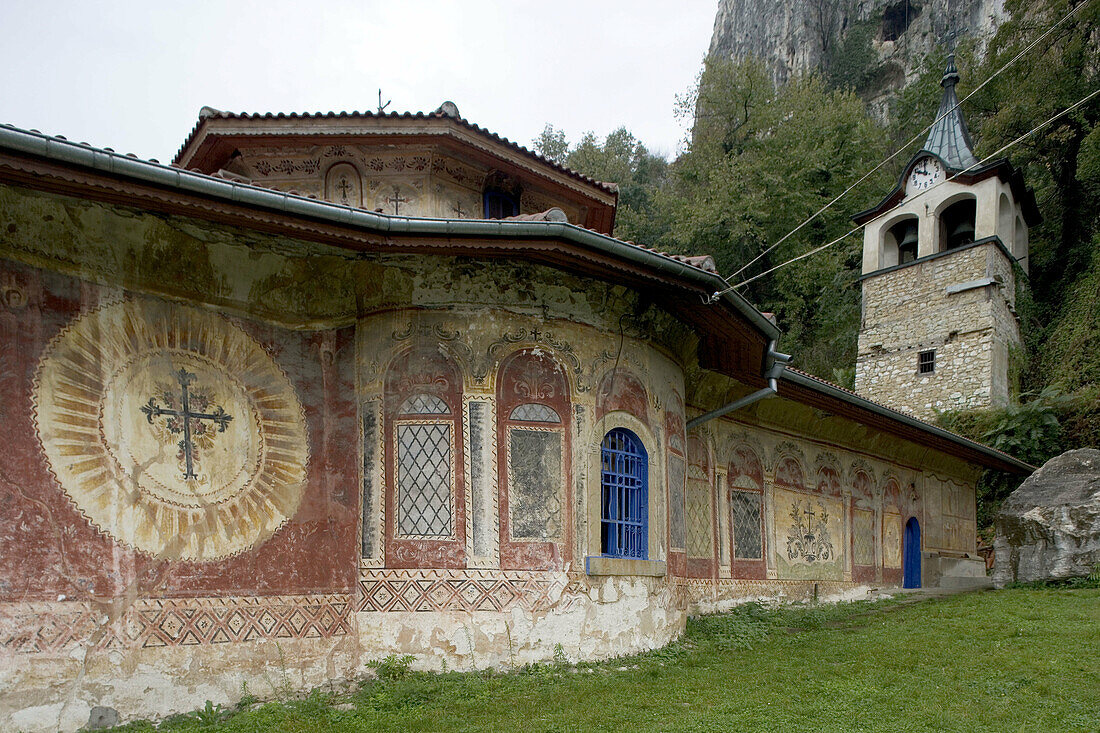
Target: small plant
[[393, 667], [247, 698], [559, 655], [210, 715]]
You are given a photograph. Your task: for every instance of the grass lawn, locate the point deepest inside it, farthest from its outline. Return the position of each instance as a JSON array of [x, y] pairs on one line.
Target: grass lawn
[[1023, 659]]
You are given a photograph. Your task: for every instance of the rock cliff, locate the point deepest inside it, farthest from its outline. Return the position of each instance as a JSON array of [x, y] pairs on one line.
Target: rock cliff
[[876, 46]]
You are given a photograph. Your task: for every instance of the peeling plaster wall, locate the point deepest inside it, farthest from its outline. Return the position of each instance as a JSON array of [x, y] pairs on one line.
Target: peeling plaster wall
[[92, 616]]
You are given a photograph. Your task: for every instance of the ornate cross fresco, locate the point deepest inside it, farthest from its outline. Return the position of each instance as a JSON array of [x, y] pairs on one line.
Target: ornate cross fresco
[[179, 420], [808, 538]]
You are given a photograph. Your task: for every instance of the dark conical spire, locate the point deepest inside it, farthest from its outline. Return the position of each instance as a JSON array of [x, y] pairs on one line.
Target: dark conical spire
[[949, 138]]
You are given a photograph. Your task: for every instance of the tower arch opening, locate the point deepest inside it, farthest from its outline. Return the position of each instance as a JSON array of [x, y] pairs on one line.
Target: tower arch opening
[[899, 242], [1006, 222], [957, 223]]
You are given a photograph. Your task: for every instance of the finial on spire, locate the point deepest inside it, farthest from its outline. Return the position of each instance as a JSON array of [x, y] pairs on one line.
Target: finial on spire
[[948, 137], [951, 73]]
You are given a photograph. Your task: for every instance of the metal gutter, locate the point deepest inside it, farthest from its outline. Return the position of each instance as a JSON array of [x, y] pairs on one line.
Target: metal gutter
[[842, 394], [59, 149], [777, 364]]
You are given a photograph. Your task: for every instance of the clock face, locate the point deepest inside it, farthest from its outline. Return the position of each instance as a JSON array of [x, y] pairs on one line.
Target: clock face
[[926, 172]]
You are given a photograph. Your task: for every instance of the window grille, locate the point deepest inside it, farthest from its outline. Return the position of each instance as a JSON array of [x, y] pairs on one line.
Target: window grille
[[747, 540], [699, 542], [624, 526], [424, 480], [424, 404], [533, 412], [926, 362]]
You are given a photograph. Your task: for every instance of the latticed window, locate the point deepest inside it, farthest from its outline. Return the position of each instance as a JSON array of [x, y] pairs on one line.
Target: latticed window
[[424, 501], [424, 480], [745, 513], [699, 540], [624, 481], [532, 412], [424, 457]]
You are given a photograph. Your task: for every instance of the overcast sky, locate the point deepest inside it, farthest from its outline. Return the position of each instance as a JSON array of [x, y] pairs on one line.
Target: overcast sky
[[133, 75]]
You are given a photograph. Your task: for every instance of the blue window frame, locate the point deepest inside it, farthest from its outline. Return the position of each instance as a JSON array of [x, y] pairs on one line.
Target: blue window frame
[[500, 205], [624, 515]]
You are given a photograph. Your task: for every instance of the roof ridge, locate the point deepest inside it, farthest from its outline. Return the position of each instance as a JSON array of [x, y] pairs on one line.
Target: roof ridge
[[207, 113]]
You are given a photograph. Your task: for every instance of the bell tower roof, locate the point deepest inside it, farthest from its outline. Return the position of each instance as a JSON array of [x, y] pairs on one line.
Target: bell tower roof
[[949, 139]]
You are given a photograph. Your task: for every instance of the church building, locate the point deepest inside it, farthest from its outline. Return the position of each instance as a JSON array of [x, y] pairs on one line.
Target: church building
[[332, 387]]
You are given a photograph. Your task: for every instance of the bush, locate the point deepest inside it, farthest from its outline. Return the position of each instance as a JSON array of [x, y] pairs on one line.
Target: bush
[[1034, 429]]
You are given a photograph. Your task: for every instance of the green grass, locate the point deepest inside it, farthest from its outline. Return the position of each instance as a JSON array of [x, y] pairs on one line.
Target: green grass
[[1023, 659]]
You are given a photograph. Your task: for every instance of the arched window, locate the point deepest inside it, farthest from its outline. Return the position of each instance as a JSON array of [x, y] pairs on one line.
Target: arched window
[[1019, 242], [533, 406], [1005, 219], [700, 535], [624, 489], [425, 499], [746, 498], [500, 196]]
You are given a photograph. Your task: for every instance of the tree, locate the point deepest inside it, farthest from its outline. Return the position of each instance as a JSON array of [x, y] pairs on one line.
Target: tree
[[1062, 163], [551, 144], [622, 159], [761, 161]]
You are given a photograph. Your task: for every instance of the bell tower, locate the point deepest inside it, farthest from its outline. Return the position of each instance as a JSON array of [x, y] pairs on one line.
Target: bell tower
[[941, 255]]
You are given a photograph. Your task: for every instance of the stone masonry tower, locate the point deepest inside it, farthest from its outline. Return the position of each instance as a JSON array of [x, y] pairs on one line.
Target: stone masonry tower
[[941, 254]]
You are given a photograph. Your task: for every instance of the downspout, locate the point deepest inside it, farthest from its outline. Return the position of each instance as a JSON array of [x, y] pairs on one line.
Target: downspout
[[778, 363]]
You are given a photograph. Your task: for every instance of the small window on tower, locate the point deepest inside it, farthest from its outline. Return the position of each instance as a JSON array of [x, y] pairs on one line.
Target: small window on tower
[[926, 362]]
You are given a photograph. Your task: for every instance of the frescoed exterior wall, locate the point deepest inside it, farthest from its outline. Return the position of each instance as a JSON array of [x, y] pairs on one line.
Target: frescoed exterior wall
[[248, 457]]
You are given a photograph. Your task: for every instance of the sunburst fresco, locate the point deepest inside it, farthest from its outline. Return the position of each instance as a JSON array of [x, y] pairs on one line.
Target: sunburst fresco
[[171, 429]]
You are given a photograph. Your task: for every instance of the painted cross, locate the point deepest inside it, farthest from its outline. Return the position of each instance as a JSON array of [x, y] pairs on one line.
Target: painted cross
[[459, 212], [184, 416], [345, 189], [397, 199]]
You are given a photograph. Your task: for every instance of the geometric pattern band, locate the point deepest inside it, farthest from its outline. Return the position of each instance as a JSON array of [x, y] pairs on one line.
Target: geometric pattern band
[[154, 622], [457, 590]]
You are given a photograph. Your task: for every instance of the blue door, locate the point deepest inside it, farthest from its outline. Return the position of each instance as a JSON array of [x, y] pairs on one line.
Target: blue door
[[911, 561]]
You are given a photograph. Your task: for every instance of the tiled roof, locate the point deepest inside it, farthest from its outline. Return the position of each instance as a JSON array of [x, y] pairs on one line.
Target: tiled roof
[[444, 112], [949, 138]]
